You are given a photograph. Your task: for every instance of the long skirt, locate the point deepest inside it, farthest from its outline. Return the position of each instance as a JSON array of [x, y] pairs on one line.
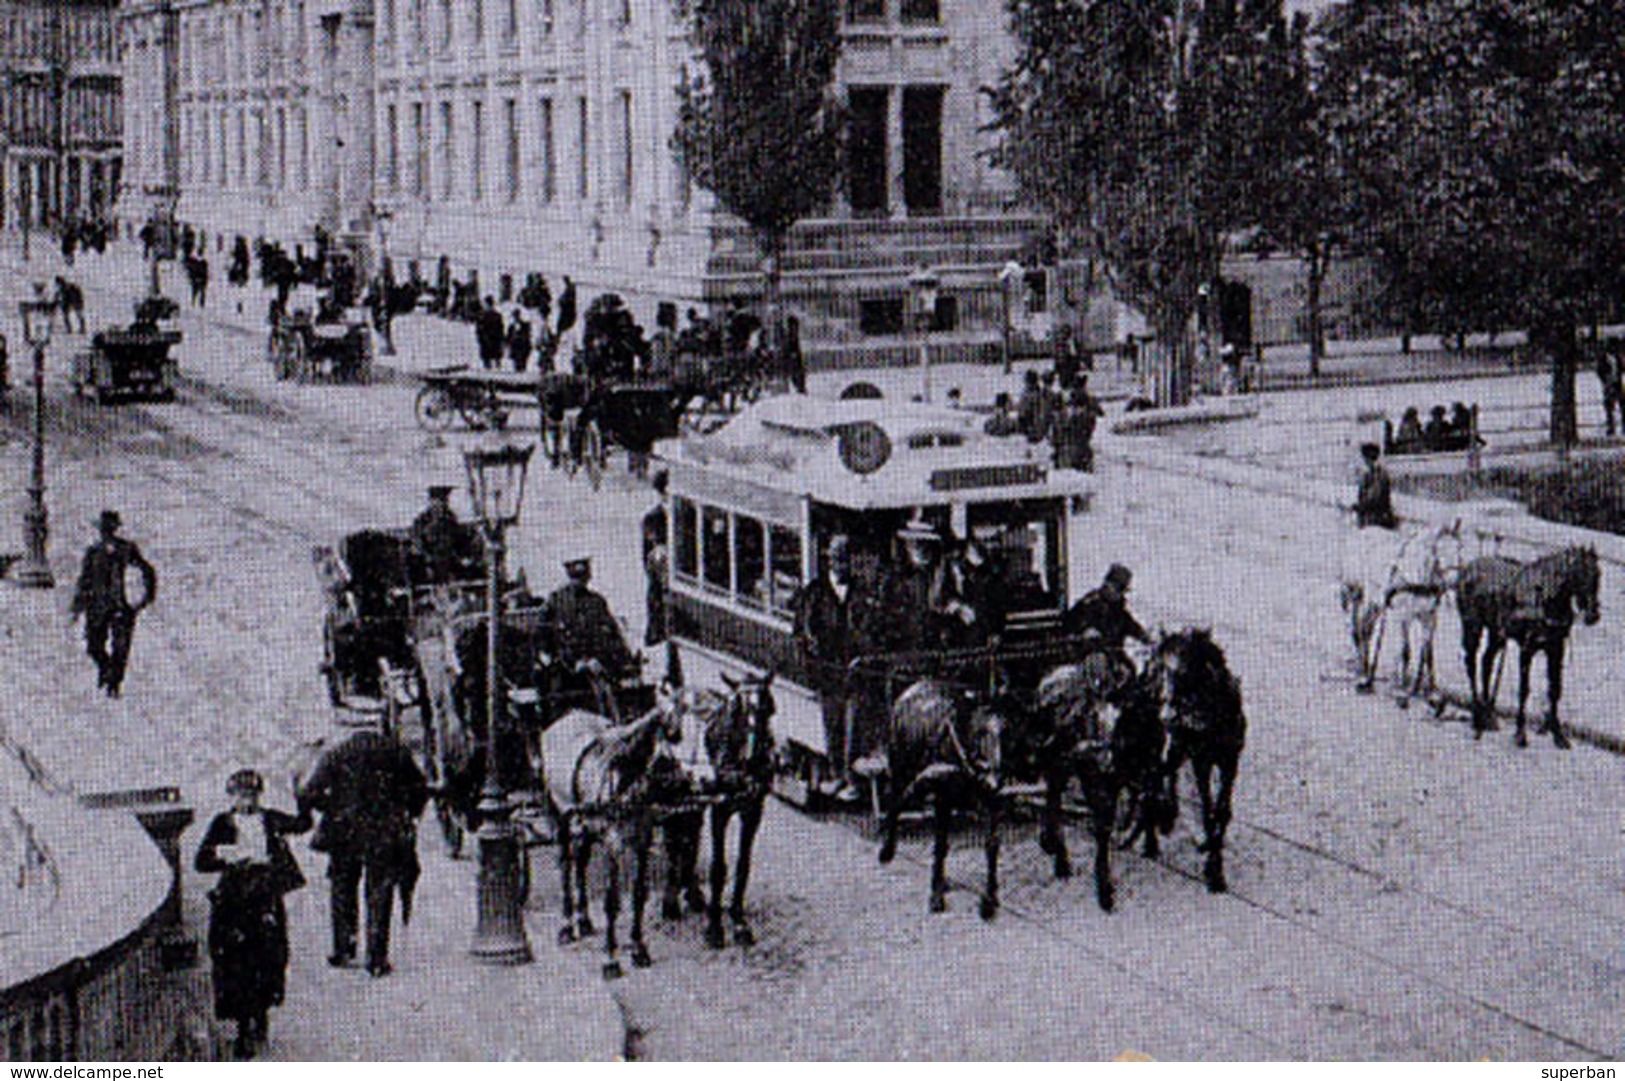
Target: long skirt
[[248, 943]]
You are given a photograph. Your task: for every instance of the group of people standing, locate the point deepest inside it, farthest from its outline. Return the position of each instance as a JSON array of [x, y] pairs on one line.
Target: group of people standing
[[369, 793], [1064, 414]]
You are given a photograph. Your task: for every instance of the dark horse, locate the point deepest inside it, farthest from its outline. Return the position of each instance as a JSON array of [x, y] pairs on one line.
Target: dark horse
[[1101, 723], [946, 748], [1533, 604], [734, 776], [599, 789], [1202, 712]]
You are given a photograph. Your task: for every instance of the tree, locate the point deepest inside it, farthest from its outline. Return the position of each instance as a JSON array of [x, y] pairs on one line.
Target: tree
[[1485, 145], [1141, 127], [760, 127]]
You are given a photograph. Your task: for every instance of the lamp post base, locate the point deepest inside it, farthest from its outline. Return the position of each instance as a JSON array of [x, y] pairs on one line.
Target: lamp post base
[[33, 570], [25, 572], [499, 935]]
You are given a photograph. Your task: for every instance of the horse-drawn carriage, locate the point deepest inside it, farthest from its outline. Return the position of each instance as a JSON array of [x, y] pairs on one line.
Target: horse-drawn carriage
[[307, 349], [127, 365], [408, 644]]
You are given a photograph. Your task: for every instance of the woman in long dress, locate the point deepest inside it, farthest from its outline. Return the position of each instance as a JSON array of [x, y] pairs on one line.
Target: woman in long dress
[[248, 923]]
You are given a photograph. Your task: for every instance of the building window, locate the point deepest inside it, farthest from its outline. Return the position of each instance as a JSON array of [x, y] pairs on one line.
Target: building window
[[477, 167], [544, 16], [623, 14], [392, 153], [242, 148], [686, 533], [714, 546], [420, 30], [921, 11], [624, 135], [476, 22], [510, 21], [303, 123], [865, 11], [583, 132], [550, 176], [445, 25], [510, 125], [281, 148], [420, 151], [447, 150], [223, 177]]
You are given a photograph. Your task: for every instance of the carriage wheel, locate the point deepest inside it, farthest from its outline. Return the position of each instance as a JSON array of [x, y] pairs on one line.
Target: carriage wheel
[[594, 454], [330, 666], [434, 409]]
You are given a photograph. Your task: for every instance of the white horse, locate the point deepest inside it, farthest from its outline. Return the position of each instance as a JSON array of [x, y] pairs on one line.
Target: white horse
[[1407, 587]]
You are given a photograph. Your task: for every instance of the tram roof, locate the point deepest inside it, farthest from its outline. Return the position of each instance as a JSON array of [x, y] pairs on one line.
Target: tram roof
[[794, 444]]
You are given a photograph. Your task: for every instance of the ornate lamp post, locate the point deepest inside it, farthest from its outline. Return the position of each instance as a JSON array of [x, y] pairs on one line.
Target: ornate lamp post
[[1009, 275], [34, 570], [922, 286], [496, 485]]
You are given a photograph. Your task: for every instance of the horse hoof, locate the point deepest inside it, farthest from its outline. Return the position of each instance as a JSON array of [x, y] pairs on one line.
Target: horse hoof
[[1152, 849], [671, 910], [744, 936], [714, 938], [1561, 742], [1365, 686], [989, 909], [888, 852], [1403, 703], [588, 929], [1047, 843], [1107, 899], [1438, 706], [696, 901], [640, 957], [1063, 868], [1521, 740], [939, 904], [613, 970], [1217, 884], [567, 935]]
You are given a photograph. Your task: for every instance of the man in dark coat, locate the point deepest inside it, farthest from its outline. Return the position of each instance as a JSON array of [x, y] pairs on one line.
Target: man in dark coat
[[583, 628], [1374, 501], [519, 342], [824, 641], [656, 564], [1102, 616], [489, 335], [369, 793], [443, 542], [102, 599]]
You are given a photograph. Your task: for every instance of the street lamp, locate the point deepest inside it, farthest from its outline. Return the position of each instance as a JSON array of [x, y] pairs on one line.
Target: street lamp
[[496, 486], [922, 286], [1009, 275], [34, 570]]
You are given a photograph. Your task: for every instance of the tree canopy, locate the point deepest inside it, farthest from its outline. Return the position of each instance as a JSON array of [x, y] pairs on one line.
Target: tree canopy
[[1150, 131], [759, 126], [1483, 142]]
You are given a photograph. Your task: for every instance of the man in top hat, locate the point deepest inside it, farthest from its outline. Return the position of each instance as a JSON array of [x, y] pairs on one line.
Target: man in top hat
[[910, 592], [109, 611], [584, 630], [1102, 616], [444, 543]]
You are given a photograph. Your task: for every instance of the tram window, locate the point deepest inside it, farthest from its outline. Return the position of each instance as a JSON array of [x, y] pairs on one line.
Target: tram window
[[750, 561], [1024, 549], [687, 531], [786, 557], [714, 551]]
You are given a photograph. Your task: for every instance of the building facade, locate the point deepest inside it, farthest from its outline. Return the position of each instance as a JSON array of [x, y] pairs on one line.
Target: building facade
[[513, 136], [59, 111]]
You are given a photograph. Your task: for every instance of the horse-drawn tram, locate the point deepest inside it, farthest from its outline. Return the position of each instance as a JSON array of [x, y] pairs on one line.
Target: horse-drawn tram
[[754, 506]]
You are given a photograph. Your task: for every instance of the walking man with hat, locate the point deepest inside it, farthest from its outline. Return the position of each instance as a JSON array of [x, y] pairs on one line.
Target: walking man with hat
[[102, 598], [1102, 616]]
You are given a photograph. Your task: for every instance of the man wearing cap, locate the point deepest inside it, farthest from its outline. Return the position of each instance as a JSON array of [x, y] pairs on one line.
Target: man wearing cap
[[1102, 616], [443, 542], [824, 637], [101, 598], [583, 628], [370, 793]]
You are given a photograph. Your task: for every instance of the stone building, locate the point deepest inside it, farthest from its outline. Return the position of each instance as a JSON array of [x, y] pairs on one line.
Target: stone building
[[59, 111], [511, 136]]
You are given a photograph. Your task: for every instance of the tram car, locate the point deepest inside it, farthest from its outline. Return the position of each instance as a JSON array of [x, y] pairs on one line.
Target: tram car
[[753, 506]]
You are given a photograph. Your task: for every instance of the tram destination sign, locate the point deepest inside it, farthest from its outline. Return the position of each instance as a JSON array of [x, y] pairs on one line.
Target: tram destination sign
[[986, 476]]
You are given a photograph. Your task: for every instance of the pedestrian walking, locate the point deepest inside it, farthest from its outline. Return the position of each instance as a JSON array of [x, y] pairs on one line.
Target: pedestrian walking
[[102, 597], [70, 301], [519, 342], [248, 921], [370, 793], [1374, 501], [1612, 378], [489, 336], [5, 372]]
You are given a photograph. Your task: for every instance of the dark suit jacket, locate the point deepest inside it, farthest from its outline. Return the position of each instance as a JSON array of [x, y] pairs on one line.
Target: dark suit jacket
[[100, 591], [285, 873], [369, 792]]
